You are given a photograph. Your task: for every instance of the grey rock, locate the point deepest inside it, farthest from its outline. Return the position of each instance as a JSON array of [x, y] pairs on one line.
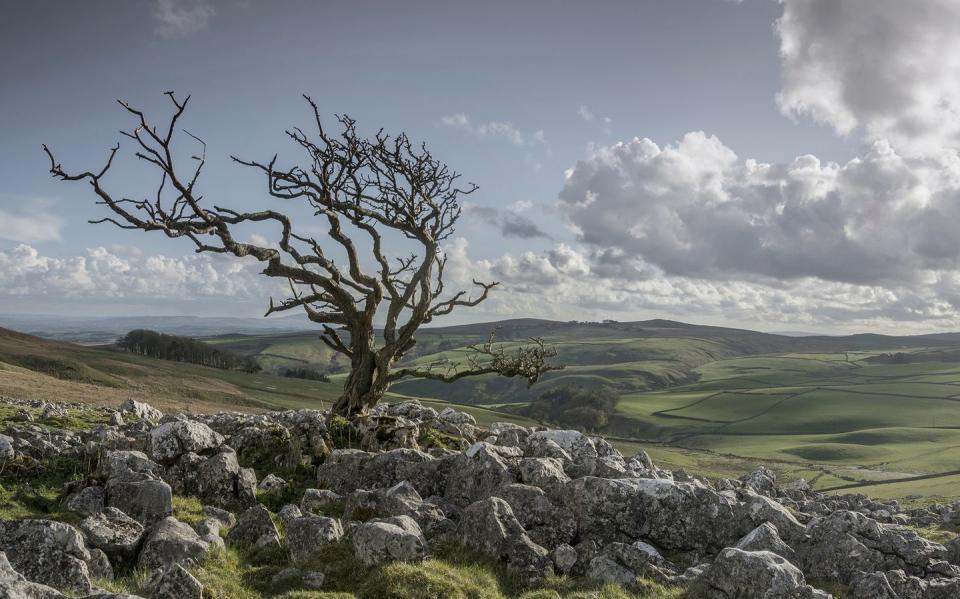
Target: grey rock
[[146, 501], [490, 527], [313, 580], [14, 585], [177, 583], [141, 410], [320, 501], [762, 481], [766, 538], [225, 518], [47, 552], [844, 543], [87, 501], [254, 529], [171, 542], [388, 540], [564, 558], [308, 535], [112, 531], [99, 565], [6, 449], [223, 483], [272, 483], [171, 440], [288, 513], [738, 574]]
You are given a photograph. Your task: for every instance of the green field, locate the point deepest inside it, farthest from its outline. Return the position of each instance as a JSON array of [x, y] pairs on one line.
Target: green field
[[874, 414]]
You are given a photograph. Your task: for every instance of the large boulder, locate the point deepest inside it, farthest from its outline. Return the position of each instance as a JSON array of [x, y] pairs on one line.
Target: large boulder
[[547, 524], [223, 483], [480, 470], [308, 535], [87, 501], [896, 584], [47, 552], [766, 538], [141, 410], [147, 501], [172, 542], [762, 481], [739, 574], [171, 440], [490, 527], [14, 585], [401, 499], [387, 540], [176, 583], [844, 543], [114, 532], [347, 470], [622, 564], [254, 530]]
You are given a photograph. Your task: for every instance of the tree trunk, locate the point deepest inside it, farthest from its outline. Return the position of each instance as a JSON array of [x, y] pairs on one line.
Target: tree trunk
[[363, 389]]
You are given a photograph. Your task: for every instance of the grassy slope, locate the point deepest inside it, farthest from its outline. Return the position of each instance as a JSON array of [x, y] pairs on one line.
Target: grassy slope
[[818, 408]]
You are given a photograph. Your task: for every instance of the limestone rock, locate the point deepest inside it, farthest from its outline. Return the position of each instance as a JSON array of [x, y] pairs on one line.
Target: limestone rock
[[171, 542], [490, 527], [307, 535], [47, 552], [171, 440], [117, 534], [254, 529], [176, 583], [738, 574], [388, 540]]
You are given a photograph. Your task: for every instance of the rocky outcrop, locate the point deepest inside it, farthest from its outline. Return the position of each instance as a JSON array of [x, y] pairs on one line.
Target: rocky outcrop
[[739, 574], [538, 501]]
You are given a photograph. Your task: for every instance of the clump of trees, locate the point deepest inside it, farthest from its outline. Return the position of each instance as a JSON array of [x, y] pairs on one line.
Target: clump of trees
[[144, 342], [575, 406], [304, 372], [368, 193]]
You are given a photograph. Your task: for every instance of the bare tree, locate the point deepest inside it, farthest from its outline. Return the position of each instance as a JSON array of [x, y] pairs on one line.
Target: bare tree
[[371, 185]]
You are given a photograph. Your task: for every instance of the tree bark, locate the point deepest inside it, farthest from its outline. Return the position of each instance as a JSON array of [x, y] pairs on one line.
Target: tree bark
[[363, 389]]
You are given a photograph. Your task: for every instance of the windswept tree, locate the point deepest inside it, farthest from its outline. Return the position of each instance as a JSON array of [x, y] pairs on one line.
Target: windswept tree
[[366, 192]]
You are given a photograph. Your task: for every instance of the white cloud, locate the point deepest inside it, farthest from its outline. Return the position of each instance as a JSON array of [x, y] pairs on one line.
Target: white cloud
[[695, 208], [886, 67], [573, 283], [30, 227], [104, 274], [182, 17], [493, 130]]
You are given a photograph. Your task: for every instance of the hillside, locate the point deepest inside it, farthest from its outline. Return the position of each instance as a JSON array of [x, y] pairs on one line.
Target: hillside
[[869, 410]]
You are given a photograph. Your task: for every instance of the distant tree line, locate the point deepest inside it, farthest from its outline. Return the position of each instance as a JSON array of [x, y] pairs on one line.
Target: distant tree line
[[304, 372], [144, 342], [575, 406]]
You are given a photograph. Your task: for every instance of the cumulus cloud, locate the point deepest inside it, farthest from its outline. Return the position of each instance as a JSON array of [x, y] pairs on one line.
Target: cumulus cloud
[[574, 282], [30, 227], [182, 17], [104, 274], [694, 208], [886, 67], [504, 130]]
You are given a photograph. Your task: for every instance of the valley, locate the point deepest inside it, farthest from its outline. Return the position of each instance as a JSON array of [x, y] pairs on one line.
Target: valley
[[864, 413]]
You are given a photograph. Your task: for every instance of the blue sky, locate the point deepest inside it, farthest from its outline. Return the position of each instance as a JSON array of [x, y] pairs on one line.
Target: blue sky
[[530, 101]]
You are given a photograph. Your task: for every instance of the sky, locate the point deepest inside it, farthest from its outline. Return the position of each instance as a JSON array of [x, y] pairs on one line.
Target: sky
[[776, 165]]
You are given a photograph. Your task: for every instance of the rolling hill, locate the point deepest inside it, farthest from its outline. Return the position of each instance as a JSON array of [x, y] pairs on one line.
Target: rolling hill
[[869, 410]]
